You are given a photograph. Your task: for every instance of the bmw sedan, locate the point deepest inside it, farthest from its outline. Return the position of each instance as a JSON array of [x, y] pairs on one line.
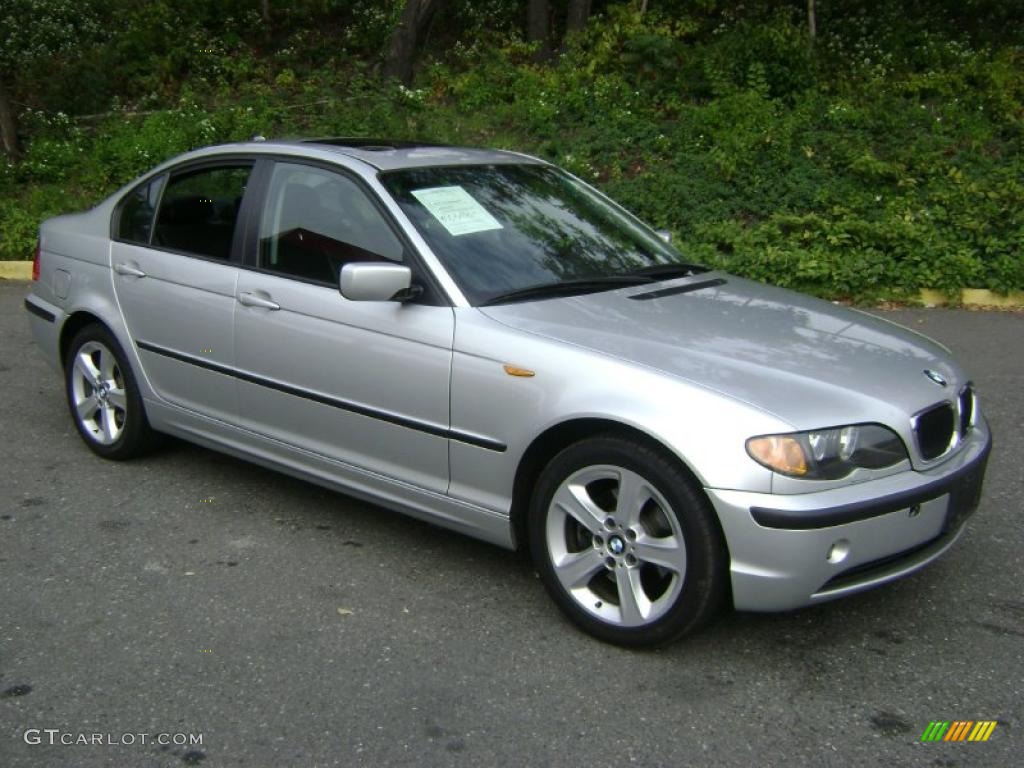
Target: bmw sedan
[[481, 340]]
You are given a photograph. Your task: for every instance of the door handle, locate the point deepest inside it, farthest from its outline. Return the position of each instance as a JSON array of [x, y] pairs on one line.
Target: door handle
[[129, 270], [252, 300]]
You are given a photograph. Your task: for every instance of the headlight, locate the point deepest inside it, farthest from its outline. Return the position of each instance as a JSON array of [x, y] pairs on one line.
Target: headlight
[[828, 454]]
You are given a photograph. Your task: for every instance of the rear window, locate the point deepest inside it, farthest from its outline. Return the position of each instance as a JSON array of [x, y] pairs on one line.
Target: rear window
[[199, 210]]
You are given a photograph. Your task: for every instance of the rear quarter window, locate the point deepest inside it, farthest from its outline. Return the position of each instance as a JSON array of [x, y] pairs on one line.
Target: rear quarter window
[[137, 210]]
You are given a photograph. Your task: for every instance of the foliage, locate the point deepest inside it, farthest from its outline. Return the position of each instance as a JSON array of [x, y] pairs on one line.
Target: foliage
[[34, 29], [884, 158]]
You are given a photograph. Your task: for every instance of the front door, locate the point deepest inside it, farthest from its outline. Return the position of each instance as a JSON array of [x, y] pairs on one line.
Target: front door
[[365, 383]]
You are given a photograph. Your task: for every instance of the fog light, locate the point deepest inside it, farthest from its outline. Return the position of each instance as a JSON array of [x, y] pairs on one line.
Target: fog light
[[838, 551]]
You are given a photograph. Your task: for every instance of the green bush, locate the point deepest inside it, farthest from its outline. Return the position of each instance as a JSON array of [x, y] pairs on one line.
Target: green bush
[[885, 158], [20, 217]]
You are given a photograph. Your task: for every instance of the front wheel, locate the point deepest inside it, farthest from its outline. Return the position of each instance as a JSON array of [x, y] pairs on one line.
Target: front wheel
[[626, 543]]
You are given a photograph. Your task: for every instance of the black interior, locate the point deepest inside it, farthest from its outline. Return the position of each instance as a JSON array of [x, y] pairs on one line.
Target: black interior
[[198, 224], [304, 248], [313, 256]]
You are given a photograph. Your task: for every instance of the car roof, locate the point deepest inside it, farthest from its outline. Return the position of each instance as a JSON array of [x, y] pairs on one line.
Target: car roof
[[389, 154], [381, 154]]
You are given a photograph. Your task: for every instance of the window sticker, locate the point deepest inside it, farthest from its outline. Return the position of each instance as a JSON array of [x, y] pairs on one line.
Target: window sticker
[[456, 209]]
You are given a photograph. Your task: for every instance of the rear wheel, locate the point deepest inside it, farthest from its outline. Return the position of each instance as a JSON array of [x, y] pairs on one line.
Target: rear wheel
[[626, 543], [103, 397]]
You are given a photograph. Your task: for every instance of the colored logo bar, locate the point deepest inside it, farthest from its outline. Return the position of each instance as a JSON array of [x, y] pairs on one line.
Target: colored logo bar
[[959, 730]]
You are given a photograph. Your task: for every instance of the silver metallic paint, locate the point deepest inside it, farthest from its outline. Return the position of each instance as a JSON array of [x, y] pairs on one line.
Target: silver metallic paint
[[776, 569], [699, 372], [384, 355], [374, 282], [189, 310]]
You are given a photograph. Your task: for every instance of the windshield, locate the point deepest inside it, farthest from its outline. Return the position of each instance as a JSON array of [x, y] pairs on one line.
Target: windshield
[[503, 228]]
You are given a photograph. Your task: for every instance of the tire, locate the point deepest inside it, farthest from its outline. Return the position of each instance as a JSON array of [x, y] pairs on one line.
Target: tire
[[643, 575], [103, 397]]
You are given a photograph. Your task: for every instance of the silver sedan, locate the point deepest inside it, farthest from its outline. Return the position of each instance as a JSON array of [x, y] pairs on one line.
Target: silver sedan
[[479, 339]]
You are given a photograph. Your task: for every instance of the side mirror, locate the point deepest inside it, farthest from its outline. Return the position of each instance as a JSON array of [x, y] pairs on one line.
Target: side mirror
[[376, 281], [664, 234]]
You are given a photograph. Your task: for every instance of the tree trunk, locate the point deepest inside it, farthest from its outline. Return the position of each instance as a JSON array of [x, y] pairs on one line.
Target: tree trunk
[[538, 16], [265, 11], [405, 40], [812, 22], [576, 18], [8, 125]]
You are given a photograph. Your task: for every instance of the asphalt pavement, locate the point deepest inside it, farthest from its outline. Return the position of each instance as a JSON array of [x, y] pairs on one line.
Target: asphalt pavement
[[195, 595]]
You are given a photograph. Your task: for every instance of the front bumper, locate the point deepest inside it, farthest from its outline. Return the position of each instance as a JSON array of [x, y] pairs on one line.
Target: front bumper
[[789, 551]]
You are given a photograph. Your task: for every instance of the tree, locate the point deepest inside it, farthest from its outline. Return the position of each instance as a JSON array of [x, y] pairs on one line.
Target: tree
[[538, 29], [577, 15], [8, 125], [538, 22], [31, 30], [408, 37]]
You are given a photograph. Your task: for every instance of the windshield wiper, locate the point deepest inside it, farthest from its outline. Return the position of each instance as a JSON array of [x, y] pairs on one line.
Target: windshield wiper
[[569, 288], [668, 271]]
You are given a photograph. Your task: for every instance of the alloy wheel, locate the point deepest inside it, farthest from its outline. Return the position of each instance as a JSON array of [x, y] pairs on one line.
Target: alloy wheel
[[98, 394], [615, 545]]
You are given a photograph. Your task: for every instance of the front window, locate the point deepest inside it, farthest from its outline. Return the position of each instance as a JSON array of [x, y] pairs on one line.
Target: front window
[[503, 228], [315, 221]]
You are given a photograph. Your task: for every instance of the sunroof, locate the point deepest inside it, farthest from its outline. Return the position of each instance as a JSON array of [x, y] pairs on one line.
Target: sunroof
[[372, 145]]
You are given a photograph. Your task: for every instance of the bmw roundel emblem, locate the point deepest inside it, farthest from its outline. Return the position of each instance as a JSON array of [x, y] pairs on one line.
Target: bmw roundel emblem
[[936, 377]]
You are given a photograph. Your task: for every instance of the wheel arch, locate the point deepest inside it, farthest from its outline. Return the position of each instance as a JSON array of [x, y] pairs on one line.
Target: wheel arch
[[138, 436], [556, 438], [72, 325]]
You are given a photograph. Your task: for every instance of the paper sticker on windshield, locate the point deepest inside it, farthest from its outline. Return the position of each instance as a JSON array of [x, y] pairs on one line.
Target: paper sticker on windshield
[[456, 209]]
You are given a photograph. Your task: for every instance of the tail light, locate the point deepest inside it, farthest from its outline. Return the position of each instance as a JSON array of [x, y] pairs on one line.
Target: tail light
[[35, 262]]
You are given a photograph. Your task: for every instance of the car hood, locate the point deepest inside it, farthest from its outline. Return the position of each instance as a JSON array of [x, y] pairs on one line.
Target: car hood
[[807, 361]]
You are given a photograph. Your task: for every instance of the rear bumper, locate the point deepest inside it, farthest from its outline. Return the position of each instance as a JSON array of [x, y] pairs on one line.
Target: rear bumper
[[789, 551], [37, 308], [45, 321]]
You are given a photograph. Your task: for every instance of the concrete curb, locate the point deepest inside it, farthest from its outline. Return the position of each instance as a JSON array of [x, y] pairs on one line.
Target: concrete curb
[[975, 297], [16, 270]]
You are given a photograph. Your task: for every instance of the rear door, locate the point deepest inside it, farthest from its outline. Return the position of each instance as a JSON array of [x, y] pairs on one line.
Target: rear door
[[175, 262], [362, 382]]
